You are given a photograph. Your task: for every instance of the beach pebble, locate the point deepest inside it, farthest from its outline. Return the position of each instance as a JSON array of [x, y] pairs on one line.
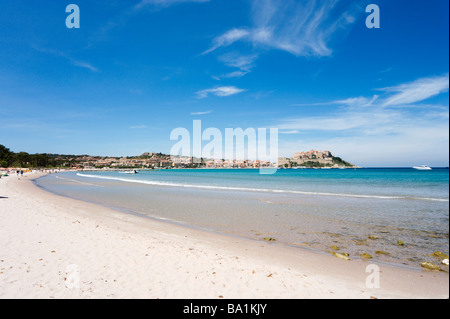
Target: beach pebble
[[341, 256], [430, 266], [445, 262], [366, 256], [440, 255]]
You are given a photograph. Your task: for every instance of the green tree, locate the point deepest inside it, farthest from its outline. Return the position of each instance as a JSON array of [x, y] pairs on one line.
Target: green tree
[[6, 156], [24, 159]]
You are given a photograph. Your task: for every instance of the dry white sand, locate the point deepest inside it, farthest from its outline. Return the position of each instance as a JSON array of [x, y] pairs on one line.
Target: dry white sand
[[57, 247]]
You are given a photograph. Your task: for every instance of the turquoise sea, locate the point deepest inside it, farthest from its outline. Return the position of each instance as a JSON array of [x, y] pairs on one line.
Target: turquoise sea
[[356, 210]]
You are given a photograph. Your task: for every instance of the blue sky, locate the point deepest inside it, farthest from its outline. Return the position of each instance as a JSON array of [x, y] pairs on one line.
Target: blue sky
[[136, 70]]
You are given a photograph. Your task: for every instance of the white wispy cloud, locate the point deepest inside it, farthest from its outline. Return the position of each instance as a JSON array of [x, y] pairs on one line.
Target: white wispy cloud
[[234, 74], [137, 127], [417, 91], [298, 27], [219, 91], [369, 114], [403, 95], [228, 38], [73, 61], [83, 64], [236, 60], [360, 101], [244, 63], [289, 132], [347, 120], [201, 113]]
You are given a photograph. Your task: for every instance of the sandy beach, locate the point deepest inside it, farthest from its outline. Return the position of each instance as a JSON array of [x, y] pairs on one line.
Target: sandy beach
[[57, 247]]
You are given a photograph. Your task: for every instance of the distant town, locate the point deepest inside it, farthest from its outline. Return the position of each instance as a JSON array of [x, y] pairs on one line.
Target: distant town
[[311, 159]]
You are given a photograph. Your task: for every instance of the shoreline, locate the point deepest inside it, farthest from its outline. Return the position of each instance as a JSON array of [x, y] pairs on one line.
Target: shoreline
[[118, 255]]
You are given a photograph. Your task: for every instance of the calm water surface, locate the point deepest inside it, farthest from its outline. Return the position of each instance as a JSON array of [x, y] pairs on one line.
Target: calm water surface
[[363, 210]]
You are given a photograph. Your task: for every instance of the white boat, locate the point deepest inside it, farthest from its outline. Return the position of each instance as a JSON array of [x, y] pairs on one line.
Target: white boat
[[422, 168]]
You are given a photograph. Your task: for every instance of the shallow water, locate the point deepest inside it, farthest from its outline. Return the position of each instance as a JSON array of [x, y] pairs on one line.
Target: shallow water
[[364, 210]]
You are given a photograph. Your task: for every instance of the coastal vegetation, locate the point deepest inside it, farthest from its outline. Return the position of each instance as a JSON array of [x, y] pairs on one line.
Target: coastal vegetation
[[25, 160], [340, 162]]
